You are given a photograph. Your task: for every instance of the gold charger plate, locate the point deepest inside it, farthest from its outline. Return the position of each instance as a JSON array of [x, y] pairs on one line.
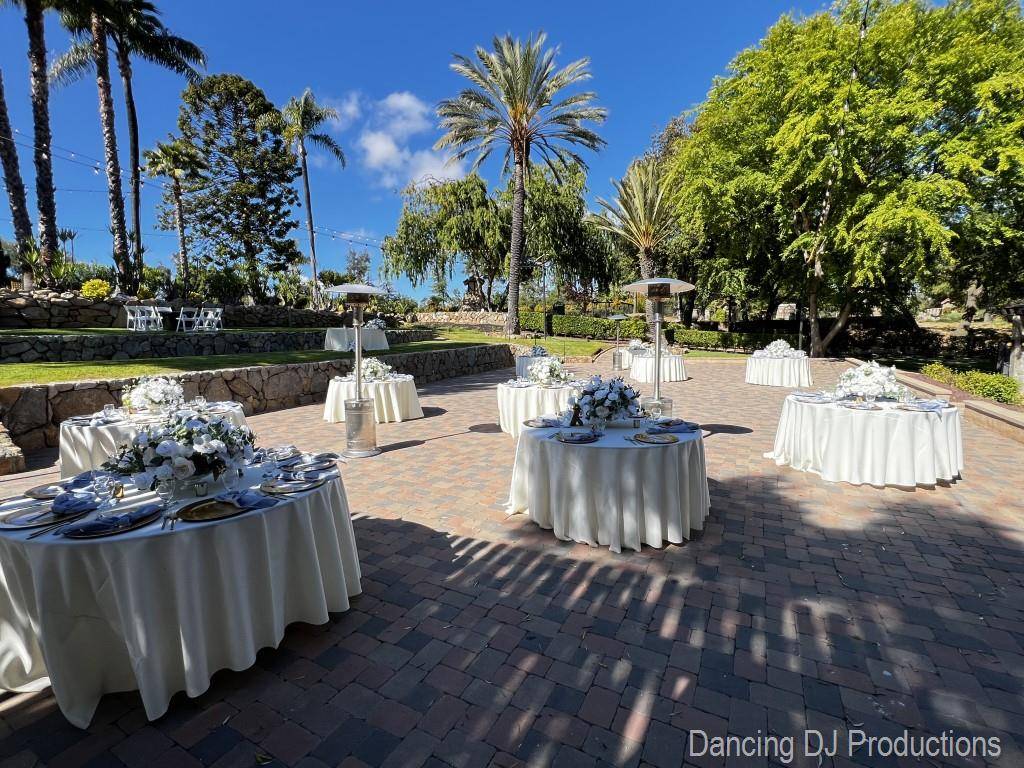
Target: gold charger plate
[[48, 491], [279, 488], [539, 423], [140, 523], [206, 510], [577, 438], [662, 439], [35, 516]]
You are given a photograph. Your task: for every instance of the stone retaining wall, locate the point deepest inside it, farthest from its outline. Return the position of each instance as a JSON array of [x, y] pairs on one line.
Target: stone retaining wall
[[32, 413], [44, 308], [461, 318], [11, 458], [131, 346]]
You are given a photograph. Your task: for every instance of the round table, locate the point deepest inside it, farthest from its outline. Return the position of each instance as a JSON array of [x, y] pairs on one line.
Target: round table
[[160, 611], [344, 339], [779, 371], [86, 446], [629, 354], [394, 398], [672, 368], [613, 492], [517, 404], [889, 446]]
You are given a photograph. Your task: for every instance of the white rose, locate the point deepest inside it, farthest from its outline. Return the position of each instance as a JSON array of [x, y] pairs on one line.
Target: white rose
[[143, 480], [602, 412], [167, 449], [182, 468]]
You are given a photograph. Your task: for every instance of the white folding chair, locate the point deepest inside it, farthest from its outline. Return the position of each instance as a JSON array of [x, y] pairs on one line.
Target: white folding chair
[[187, 318], [154, 320], [207, 320], [218, 318], [136, 318]]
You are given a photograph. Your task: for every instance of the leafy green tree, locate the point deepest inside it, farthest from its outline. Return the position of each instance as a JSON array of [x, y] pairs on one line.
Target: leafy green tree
[[446, 224], [515, 103], [239, 201], [136, 31], [176, 161], [830, 148], [302, 118], [357, 264]]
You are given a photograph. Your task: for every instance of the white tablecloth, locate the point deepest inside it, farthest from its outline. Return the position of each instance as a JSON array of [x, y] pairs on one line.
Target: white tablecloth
[[611, 493], [886, 447], [162, 611], [516, 404], [394, 399], [779, 371], [672, 368], [631, 353], [344, 339], [83, 447]]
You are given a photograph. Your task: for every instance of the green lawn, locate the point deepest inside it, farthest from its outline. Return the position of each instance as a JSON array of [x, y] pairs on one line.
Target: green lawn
[[48, 373], [556, 345]]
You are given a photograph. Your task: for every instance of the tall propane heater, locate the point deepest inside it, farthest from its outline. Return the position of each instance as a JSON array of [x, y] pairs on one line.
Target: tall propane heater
[[656, 290], [617, 354], [360, 420]]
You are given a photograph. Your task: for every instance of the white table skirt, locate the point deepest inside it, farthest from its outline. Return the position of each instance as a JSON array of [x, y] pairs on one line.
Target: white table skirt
[[629, 354], [611, 493], [83, 447], [886, 447], [394, 399], [162, 611], [517, 404], [344, 339], [779, 371], [672, 368]]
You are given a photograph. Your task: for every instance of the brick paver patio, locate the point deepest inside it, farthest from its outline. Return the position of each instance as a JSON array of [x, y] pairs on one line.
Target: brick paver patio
[[481, 639]]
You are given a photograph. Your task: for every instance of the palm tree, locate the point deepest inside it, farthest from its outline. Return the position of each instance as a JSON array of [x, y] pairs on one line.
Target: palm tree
[[15, 187], [641, 214], [40, 92], [175, 160], [135, 29], [514, 103], [302, 117]]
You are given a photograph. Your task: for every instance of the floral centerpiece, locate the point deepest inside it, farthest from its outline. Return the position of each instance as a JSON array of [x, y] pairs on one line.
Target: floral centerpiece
[[602, 401], [869, 381], [190, 446], [537, 351], [374, 369], [548, 370], [636, 343], [377, 323], [152, 393], [779, 349]]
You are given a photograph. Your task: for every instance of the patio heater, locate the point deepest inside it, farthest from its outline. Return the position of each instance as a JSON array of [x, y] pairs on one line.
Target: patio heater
[[656, 290], [617, 354], [360, 420]]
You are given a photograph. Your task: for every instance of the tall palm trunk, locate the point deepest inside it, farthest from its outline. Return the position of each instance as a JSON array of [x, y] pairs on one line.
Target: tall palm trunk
[[40, 88], [114, 194], [515, 256], [15, 187], [179, 221], [646, 260], [309, 224], [124, 66]]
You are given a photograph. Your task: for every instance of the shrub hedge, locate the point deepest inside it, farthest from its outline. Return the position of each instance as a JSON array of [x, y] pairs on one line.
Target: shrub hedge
[[586, 327], [721, 340], [991, 386]]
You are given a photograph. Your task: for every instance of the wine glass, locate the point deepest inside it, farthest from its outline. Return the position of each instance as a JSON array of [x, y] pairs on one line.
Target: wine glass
[[104, 487], [164, 490], [199, 402], [109, 412]]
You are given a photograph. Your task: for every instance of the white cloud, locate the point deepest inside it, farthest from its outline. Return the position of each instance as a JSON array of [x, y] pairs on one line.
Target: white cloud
[[350, 109], [385, 143], [403, 114]]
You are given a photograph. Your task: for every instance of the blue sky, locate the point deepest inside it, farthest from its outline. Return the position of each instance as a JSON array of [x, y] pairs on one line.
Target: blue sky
[[384, 66]]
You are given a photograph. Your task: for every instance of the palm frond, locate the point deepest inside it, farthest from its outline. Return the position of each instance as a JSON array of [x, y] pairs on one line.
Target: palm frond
[[72, 65], [328, 144]]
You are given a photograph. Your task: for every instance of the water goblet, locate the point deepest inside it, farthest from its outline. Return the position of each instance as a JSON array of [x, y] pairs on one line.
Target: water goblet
[[104, 487], [199, 402], [164, 489], [109, 412]]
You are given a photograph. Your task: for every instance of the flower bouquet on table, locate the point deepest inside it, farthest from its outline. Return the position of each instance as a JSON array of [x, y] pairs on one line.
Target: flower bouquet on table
[[374, 369], [377, 323], [780, 349], [547, 371], [153, 393], [600, 402], [537, 351], [870, 381], [189, 447]]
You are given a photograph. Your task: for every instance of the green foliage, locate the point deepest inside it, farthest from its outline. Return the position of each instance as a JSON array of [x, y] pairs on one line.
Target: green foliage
[[991, 386], [357, 265], [291, 289], [96, 289], [222, 286], [331, 277], [533, 321], [392, 304], [86, 271], [584, 326], [239, 199], [692, 337]]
